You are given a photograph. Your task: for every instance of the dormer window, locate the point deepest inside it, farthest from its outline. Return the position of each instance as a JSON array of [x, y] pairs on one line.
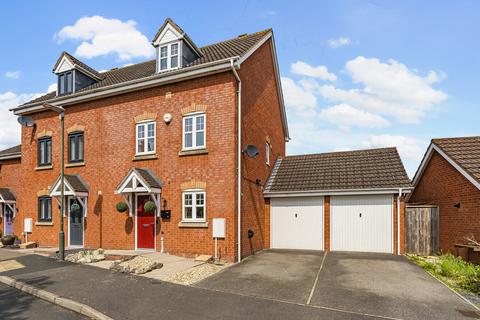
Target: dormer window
[[169, 55], [65, 82]]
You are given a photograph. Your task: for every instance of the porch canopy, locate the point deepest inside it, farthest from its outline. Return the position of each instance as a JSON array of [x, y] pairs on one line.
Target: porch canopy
[[75, 187], [7, 198], [140, 181]]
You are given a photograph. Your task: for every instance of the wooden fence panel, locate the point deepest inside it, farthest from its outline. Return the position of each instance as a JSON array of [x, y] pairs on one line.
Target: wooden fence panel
[[422, 230]]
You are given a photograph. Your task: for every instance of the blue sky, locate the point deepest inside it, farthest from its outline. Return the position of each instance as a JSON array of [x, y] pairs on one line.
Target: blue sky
[[356, 74]]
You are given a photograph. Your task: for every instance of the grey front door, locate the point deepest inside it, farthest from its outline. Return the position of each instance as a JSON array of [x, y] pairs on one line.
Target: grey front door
[[8, 220], [76, 224]]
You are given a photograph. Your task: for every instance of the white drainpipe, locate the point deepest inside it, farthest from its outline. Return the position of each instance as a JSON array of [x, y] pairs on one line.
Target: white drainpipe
[[398, 220], [239, 160]]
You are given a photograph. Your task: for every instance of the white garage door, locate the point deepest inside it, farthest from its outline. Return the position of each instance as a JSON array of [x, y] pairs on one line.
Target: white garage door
[[361, 223], [296, 223]]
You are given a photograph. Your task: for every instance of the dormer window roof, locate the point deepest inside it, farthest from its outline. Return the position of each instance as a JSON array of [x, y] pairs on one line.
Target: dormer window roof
[[175, 49], [73, 75]]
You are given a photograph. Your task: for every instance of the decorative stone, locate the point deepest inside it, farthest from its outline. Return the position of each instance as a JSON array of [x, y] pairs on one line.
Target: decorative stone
[[137, 265], [86, 256]]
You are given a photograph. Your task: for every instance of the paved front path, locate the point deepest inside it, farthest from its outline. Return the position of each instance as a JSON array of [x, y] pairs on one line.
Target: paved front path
[[131, 297], [15, 304]]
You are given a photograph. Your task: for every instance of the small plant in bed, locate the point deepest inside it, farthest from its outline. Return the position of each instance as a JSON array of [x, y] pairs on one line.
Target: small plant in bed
[[454, 271]]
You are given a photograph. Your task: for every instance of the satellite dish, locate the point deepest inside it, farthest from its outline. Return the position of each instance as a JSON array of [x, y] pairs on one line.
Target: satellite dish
[[26, 121], [252, 151]]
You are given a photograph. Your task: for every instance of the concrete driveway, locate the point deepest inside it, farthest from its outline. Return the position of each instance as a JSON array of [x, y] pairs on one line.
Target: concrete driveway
[[378, 285]]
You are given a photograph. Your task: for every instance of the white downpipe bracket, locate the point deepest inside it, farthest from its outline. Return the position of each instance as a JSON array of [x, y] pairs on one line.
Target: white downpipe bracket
[[239, 160], [398, 220]]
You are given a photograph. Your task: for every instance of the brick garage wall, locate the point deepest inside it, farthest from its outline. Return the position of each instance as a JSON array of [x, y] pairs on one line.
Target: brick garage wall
[[442, 185], [9, 178], [395, 224], [109, 152], [262, 122]]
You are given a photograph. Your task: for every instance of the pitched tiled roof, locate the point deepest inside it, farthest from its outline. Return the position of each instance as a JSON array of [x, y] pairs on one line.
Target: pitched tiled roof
[[180, 30], [464, 151], [149, 177], [75, 181], [349, 170], [78, 63], [211, 53], [7, 194], [11, 151]]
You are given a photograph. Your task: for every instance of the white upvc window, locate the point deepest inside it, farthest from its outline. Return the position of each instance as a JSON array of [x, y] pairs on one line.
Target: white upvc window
[[194, 131], [193, 208], [267, 153], [146, 139], [169, 56]]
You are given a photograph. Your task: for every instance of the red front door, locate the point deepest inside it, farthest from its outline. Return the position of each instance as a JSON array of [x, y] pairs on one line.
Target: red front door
[[145, 225]]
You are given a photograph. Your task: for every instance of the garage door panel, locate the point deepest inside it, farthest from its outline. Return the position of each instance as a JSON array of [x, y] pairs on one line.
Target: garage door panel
[[361, 223], [297, 223]]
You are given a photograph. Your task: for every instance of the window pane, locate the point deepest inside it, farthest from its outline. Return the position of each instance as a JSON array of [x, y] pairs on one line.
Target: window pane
[[188, 212], [200, 212], [151, 130], [188, 124], [200, 199], [49, 209], [69, 82], [61, 82], [41, 152], [188, 200], [80, 148], [49, 151], [163, 51], [151, 144], [188, 140], [200, 123], [174, 49], [163, 63], [200, 139], [141, 131], [72, 148], [174, 62], [140, 146]]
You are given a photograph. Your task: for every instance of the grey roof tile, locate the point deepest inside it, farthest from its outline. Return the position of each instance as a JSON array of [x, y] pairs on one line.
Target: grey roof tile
[[11, 151]]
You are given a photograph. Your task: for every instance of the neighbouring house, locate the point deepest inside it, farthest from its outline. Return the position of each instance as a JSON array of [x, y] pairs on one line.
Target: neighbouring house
[[449, 178], [173, 131], [9, 185], [339, 201]]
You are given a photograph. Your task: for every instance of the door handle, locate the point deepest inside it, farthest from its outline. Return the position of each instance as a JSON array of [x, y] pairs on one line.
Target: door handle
[[360, 215], [146, 225]]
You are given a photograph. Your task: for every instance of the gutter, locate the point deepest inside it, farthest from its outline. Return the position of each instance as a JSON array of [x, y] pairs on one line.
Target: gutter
[[11, 156], [239, 160], [398, 220]]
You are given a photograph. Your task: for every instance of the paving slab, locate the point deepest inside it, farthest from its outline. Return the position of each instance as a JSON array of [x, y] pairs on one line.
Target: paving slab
[[386, 285], [281, 275]]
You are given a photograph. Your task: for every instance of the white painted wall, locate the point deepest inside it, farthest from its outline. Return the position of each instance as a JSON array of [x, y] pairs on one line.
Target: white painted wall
[[370, 232], [65, 65], [296, 223]]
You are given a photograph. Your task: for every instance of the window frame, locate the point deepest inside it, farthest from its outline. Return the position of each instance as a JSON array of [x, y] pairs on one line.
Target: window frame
[[169, 56], [267, 153], [194, 193], [63, 82], [44, 141], [71, 136], [41, 205], [194, 131], [146, 137]]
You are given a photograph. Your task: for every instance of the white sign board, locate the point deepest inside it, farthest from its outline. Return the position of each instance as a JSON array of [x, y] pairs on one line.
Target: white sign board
[[218, 228], [27, 225]]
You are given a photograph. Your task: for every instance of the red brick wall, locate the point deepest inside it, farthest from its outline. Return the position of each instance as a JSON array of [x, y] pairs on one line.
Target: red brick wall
[[395, 224], [9, 178], [442, 185], [262, 122], [326, 223], [109, 151]]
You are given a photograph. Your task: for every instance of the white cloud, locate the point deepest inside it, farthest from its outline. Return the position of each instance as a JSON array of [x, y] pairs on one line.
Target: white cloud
[[388, 88], [304, 69], [12, 74], [408, 147], [52, 87], [297, 98], [346, 116], [101, 36], [339, 42], [9, 127]]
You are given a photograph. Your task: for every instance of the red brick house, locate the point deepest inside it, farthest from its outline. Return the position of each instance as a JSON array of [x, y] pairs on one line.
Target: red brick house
[[174, 131], [10, 160], [449, 177]]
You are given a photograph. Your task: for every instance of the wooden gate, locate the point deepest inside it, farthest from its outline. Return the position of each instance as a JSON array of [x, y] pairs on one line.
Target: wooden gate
[[422, 230]]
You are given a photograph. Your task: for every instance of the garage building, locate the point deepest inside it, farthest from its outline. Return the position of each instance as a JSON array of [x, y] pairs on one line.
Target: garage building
[[339, 201]]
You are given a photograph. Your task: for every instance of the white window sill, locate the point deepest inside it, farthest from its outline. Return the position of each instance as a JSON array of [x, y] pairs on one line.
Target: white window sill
[[75, 164], [40, 168], [148, 156], [192, 152], [44, 223], [192, 224]]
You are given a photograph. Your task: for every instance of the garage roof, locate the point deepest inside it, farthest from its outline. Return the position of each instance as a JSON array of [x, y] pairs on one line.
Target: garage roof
[[334, 171]]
